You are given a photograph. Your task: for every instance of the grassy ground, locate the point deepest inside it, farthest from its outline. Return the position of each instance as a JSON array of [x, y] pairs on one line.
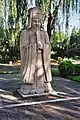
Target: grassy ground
[[55, 72], [75, 78]]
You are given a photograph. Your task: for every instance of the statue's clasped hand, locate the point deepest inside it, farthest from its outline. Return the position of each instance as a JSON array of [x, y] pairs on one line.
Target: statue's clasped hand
[[39, 45]]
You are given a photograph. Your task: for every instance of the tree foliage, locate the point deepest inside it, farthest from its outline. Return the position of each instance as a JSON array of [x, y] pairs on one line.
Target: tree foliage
[[64, 46], [74, 46], [13, 18], [59, 43], [44, 4]]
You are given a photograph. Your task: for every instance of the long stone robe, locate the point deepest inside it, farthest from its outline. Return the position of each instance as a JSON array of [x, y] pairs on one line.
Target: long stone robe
[[32, 71]]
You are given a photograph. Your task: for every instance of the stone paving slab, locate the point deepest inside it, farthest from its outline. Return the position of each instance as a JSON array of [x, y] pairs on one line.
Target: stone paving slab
[[68, 110]]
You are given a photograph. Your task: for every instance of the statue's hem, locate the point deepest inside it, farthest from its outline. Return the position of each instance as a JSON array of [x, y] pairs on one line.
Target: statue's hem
[[37, 94], [32, 95]]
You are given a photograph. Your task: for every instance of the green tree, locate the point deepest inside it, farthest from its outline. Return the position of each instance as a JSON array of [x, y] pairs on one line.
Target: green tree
[[74, 45], [15, 19], [65, 6], [44, 4], [59, 43]]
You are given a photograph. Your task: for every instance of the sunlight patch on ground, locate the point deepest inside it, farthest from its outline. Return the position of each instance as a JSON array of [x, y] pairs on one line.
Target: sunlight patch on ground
[[2, 78]]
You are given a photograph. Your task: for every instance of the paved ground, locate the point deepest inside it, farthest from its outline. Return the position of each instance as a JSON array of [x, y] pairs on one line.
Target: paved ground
[[67, 110]]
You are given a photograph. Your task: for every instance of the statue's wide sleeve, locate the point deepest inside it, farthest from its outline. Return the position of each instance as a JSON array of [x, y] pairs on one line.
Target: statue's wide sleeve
[[24, 38], [47, 38]]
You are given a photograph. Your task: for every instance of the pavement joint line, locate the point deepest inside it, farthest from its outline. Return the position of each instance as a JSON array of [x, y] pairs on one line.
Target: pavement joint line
[[73, 90], [40, 102]]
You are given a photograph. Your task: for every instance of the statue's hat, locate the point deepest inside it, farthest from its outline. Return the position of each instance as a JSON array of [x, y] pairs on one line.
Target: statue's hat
[[34, 13]]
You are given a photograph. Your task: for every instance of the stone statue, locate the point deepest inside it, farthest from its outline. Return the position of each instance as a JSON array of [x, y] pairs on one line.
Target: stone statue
[[35, 56]]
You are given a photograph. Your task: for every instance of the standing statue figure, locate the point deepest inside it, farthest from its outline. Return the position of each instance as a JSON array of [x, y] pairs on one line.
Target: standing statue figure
[[35, 56]]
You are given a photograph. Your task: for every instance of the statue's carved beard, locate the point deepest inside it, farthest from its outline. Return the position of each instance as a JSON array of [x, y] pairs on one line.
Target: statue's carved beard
[[36, 27]]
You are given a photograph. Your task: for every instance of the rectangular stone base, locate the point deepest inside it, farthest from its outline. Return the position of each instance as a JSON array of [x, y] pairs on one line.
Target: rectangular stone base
[[32, 95], [59, 94]]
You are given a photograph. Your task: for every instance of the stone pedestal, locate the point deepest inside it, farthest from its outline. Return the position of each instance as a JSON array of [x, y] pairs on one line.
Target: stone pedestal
[[36, 90]]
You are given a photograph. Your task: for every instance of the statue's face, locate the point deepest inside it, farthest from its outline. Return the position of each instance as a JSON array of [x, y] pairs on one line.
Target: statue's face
[[36, 23]]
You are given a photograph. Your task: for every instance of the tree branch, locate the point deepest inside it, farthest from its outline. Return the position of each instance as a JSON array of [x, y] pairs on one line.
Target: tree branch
[[52, 18]]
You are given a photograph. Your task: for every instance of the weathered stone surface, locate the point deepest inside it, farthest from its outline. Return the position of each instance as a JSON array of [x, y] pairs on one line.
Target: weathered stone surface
[[35, 56]]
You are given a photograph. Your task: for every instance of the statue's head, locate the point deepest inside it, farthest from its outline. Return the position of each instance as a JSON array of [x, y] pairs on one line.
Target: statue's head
[[35, 18]]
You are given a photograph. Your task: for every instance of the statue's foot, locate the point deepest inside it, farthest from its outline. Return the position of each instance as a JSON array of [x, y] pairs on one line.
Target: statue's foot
[[33, 91], [53, 92], [25, 89], [49, 89]]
